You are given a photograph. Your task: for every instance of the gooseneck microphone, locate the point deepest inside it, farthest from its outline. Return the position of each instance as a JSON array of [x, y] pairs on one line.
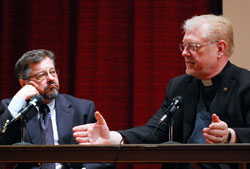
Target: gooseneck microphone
[[176, 103], [34, 101]]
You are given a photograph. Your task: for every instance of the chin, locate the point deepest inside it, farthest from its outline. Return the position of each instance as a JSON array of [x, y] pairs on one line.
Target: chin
[[51, 95], [188, 72], [192, 73]]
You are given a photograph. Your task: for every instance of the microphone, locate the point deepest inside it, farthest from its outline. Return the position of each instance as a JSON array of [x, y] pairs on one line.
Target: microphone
[[176, 103], [34, 101]]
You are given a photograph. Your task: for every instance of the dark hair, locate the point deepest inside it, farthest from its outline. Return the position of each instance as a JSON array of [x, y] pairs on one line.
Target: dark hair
[[22, 68]]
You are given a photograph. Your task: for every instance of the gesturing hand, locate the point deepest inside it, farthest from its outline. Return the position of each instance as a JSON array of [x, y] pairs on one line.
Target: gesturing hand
[[94, 133]]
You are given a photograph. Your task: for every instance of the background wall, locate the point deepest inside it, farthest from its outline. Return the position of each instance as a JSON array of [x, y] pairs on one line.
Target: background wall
[[238, 13]]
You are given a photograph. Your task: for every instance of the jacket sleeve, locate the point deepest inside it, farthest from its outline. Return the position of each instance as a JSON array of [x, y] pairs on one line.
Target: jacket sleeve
[[12, 133]]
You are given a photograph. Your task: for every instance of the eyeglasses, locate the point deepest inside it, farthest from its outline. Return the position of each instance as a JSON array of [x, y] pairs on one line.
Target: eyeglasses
[[193, 47], [44, 75]]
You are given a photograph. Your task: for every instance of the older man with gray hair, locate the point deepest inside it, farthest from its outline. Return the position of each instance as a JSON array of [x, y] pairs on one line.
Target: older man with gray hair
[[215, 94]]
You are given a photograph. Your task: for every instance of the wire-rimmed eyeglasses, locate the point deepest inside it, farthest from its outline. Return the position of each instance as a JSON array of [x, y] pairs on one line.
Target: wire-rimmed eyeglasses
[[193, 46], [43, 75]]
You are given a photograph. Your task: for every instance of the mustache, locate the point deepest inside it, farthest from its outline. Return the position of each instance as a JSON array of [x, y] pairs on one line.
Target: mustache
[[51, 83]]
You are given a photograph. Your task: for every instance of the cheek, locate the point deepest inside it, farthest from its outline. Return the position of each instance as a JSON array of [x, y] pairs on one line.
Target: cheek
[[41, 87], [202, 59], [57, 81]]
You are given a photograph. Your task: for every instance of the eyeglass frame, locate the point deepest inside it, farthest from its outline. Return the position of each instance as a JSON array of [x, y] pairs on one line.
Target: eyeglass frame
[[193, 46], [43, 75]]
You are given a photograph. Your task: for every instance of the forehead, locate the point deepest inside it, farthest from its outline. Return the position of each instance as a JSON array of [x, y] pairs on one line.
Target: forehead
[[43, 65], [196, 35], [192, 36]]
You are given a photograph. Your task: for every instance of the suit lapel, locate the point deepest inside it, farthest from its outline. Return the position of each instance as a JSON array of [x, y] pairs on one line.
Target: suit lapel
[[225, 91], [64, 118], [190, 102]]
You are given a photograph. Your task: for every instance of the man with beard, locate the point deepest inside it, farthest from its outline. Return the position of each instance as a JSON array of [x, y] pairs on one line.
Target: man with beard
[[37, 75]]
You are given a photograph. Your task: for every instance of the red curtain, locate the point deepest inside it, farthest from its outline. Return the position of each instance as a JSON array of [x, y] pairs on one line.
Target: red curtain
[[118, 53]]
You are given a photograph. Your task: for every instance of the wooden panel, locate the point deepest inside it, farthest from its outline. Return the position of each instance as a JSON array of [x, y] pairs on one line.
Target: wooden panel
[[133, 153]]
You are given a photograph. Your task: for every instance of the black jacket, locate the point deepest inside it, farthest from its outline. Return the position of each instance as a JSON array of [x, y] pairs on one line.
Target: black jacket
[[233, 107]]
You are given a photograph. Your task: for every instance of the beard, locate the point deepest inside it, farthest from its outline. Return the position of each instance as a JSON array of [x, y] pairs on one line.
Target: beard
[[51, 93]]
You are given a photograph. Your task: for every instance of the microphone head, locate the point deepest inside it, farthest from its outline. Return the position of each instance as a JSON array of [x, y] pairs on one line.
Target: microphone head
[[178, 100], [37, 99]]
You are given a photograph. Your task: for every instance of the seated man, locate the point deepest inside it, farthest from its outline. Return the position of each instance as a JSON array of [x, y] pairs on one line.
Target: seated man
[[216, 96], [37, 75]]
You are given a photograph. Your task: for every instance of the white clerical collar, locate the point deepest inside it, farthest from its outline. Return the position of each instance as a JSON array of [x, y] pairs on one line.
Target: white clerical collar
[[208, 82]]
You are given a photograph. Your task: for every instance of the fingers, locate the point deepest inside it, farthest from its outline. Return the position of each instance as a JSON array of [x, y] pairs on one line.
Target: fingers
[[94, 133], [82, 140], [217, 123], [81, 134], [80, 128], [216, 132], [88, 143], [215, 118], [26, 92], [214, 138], [99, 118], [218, 141], [86, 127]]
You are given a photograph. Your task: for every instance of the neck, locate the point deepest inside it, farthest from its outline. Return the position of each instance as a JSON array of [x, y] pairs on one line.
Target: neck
[[214, 71]]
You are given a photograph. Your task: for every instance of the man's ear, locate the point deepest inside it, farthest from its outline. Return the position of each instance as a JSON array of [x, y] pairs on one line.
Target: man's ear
[[222, 46], [22, 82]]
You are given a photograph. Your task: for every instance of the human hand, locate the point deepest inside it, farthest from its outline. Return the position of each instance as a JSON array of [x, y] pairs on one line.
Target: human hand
[[94, 133], [27, 91], [217, 131]]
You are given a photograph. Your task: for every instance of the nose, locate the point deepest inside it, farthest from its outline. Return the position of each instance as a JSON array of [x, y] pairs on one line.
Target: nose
[[185, 52], [50, 77]]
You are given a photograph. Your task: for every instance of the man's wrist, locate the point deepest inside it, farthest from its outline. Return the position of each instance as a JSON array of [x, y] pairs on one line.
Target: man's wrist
[[16, 104], [115, 138]]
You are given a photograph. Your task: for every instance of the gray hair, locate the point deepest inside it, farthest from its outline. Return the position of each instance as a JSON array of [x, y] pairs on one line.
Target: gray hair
[[217, 28], [22, 67]]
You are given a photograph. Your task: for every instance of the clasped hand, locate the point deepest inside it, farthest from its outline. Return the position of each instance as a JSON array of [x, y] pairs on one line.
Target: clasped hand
[[216, 132]]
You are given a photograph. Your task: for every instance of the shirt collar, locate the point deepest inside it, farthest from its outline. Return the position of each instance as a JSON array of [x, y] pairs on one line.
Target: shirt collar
[[51, 105], [215, 80]]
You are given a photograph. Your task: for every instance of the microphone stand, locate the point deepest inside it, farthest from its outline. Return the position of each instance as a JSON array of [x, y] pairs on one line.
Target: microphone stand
[[170, 128], [23, 127]]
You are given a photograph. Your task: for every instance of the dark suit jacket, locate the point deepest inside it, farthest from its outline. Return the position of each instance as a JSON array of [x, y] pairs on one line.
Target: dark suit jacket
[[233, 107], [70, 112]]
